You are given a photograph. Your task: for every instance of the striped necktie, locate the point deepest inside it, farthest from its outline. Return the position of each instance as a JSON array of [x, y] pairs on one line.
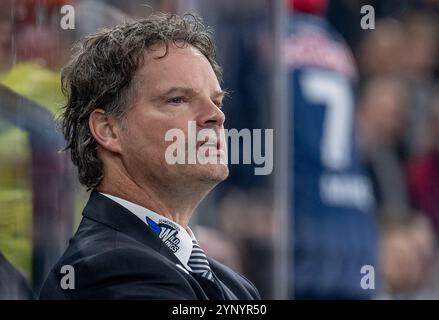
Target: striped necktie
[[198, 262]]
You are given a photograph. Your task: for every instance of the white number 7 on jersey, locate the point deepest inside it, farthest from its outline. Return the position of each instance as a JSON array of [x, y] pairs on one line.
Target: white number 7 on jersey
[[333, 91]]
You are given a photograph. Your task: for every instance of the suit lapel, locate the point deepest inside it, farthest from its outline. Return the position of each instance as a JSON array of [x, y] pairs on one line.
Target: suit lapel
[[228, 294], [229, 281], [104, 210], [213, 290]]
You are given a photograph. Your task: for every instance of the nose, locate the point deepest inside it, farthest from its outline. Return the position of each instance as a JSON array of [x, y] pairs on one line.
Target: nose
[[211, 116]]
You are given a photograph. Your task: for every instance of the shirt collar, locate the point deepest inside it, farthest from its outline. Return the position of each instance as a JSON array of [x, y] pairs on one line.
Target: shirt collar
[[174, 236]]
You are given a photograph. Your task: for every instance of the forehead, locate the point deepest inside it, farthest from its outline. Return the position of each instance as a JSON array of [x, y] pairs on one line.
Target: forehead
[[181, 67]]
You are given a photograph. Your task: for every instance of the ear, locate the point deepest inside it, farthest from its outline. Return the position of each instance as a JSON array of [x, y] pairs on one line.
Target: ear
[[105, 130]]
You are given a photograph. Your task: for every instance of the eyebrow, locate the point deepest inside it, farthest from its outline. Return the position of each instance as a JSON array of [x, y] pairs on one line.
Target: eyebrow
[[220, 94], [189, 92]]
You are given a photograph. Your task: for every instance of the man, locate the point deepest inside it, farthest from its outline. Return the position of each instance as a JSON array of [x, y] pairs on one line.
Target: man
[[127, 87]]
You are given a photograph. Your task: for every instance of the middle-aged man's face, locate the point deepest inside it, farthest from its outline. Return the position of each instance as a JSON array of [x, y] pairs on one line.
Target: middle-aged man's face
[[171, 91]]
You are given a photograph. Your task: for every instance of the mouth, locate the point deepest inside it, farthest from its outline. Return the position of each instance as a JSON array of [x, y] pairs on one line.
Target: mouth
[[211, 145], [214, 147], [211, 142]]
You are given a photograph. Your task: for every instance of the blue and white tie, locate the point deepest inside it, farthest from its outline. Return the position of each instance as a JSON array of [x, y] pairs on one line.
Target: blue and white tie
[[198, 262]]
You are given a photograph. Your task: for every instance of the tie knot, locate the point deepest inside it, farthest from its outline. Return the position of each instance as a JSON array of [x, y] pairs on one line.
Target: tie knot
[[198, 262]]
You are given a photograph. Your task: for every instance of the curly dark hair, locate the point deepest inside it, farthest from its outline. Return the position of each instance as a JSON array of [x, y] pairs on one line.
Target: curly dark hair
[[101, 72]]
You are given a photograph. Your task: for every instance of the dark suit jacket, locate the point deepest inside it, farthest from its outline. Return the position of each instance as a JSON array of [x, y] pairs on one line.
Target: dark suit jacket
[[116, 256]]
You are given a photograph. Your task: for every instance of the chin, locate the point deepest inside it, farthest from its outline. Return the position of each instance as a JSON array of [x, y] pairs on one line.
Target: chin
[[213, 172]]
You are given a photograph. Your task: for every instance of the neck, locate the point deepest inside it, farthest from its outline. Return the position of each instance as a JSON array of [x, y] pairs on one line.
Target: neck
[[172, 201]]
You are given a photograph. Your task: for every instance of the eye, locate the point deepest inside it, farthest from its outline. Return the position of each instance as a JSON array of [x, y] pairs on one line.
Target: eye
[[219, 104], [176, 100]]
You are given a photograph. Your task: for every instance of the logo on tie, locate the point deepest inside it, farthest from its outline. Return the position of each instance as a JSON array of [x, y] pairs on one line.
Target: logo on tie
[[198, 262]]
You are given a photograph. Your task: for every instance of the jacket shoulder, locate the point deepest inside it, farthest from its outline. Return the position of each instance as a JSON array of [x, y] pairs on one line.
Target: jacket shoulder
[[107, 264]]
